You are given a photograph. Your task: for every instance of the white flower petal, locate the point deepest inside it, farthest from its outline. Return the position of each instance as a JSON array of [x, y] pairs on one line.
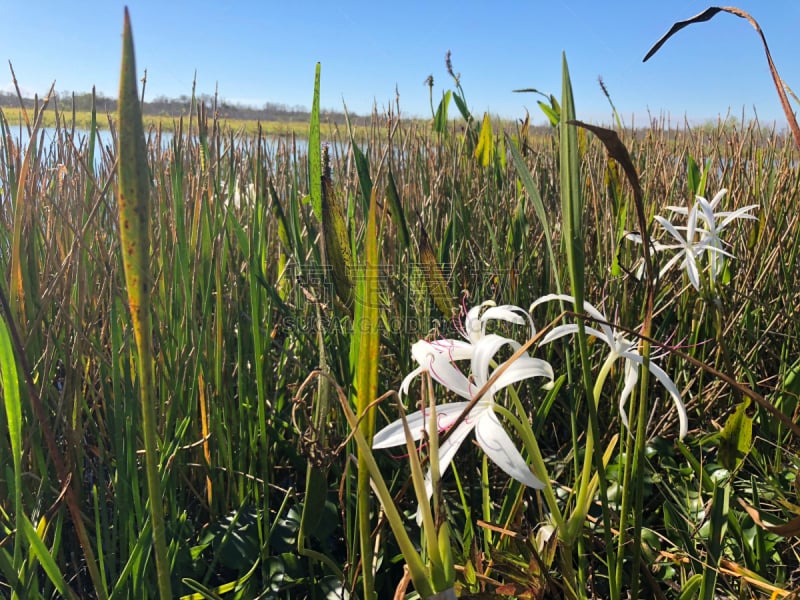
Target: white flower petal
[[690, 266], [510, 313], [707, 213], [670, 386], [485, 350], [423, 352], [634, 237], [719, 196], [445, 372], [560, 331], [447, 452], [683, 418], [525, 367], [631, 378], [506, 312], [393, 434], [501, 450], [407, 380], [455, 349], [472, 322], [681, 210], [670, 229], [742, 213], [608, 333]]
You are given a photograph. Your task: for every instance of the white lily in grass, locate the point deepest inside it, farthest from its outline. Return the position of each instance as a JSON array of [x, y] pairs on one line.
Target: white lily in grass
[[491, 436], [711, 233], [474, 326], [620, 348], [690, 245], [693, 239], [473, 329]]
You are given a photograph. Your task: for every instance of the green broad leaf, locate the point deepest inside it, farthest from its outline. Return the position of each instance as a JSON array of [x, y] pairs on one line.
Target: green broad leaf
[[134, 194], [791, 382], [447, 575], [696, 178], [13, 405], [366, 328], [235, 537], [7, 569], [315, 151], [362, 166], [201, 591], [366, 334], [718, 521], [396, 211], [314, 505], [736, 437], [692, 174], [484, 151], [529, 91], [552, 115], [538, 205], [364, 179], [571, 196], [691, 587], [443, 256], [470, 576], [433, 276], [134, 224], [701, 189], [333, 588], [283, 537], [462, 108], [336, 239], [11, 397], [40, 551], [440, 118], [500, 152], [555, 105]]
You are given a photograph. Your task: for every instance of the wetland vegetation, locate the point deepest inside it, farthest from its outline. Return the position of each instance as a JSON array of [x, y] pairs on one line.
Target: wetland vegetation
[[221, 323]]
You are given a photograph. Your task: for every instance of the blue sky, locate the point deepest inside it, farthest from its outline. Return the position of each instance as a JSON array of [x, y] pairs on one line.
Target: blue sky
[[258, 52]]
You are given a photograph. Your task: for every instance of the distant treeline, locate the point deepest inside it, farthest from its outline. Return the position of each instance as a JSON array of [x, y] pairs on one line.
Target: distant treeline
[[162, 106]]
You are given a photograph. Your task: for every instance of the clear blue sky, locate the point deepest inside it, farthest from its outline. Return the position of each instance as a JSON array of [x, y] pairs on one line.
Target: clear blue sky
[[258, 52]]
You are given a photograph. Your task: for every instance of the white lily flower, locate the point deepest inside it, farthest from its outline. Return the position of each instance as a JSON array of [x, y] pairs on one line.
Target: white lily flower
[[690, 246], [620, 348], [472, 329], [711, 233], [697, 239], [489, 433], [474, 326]]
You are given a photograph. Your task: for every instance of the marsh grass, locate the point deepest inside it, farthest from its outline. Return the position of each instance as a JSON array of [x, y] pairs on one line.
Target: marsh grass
[[243, 306], [81, 120]]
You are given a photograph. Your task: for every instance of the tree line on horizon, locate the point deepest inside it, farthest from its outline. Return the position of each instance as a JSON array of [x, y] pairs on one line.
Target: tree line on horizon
[[183, 105]]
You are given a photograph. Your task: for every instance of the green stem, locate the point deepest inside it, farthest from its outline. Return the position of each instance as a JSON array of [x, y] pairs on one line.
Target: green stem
[[415, 565], [637, 472], [523, 428], [151, 470], [585, 489]]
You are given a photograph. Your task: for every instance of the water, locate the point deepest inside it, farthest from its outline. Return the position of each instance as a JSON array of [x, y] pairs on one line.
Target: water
[[49, 139], [61, 146]]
